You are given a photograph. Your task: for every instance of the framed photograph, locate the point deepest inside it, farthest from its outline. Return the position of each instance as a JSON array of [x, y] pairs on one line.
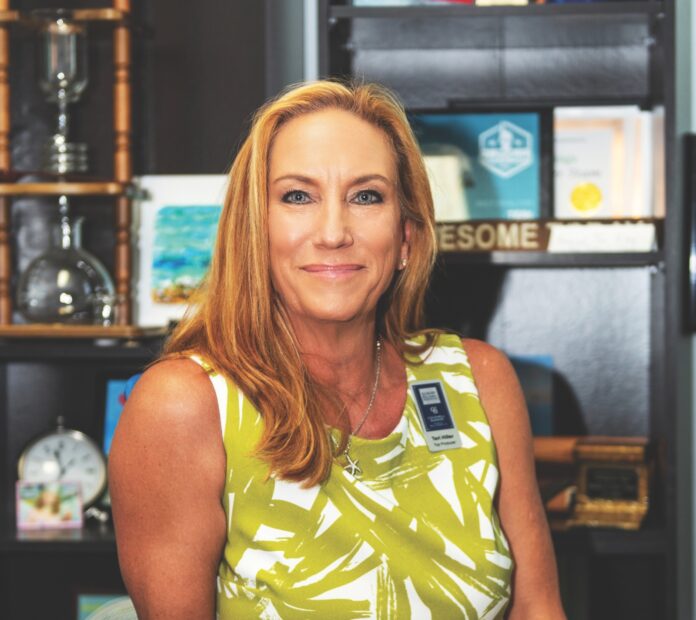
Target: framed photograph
[[48, 505], [483, 166], [604, 162], [176, 222], [100, 606]]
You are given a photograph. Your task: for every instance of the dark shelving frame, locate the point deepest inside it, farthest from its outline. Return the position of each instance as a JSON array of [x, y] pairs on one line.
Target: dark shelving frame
[[669, 356]]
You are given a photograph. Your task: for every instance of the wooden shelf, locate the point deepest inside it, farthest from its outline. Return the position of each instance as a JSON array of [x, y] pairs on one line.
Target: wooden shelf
[[9, 17], [59, 330], [82, 15], [105, 188], [99, 15], [444, 10]]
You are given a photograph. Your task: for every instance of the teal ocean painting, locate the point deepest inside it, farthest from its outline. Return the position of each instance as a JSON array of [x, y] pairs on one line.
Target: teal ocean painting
[[183, 244]]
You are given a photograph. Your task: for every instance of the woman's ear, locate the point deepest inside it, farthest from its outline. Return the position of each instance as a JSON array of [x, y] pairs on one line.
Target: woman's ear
[[405, 245]]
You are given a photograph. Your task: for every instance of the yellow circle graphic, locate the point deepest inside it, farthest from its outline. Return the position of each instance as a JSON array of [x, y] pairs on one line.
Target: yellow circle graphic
[[586, 197]]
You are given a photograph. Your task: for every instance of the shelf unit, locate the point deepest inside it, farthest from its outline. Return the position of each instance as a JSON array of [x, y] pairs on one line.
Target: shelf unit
[[467, 58], [92, 188], [119, 17]]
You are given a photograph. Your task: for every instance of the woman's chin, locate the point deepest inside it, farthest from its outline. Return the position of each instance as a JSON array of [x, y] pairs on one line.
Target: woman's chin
[[339, 313]]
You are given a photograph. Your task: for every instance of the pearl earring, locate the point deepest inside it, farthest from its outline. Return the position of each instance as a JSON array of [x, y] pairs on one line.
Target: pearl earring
[[403, 263]]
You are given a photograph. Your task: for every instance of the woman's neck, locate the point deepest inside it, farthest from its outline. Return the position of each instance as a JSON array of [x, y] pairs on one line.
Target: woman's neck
[[343, 358], [338, 355]]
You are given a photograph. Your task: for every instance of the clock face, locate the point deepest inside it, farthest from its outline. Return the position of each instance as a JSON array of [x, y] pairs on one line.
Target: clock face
[[65, 456]]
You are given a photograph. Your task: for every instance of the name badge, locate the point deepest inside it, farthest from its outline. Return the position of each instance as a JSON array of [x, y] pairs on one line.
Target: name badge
[[436, 416]]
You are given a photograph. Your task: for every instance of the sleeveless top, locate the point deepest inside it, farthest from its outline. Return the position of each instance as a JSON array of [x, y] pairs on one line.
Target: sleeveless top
[[416, 536]]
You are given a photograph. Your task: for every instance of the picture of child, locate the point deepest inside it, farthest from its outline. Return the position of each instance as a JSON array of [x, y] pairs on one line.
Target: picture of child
[[48, 505]]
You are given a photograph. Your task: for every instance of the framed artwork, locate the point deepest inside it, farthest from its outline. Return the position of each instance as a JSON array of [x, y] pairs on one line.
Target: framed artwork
[[48, 505], [176, 221], [483, 165], [101, 606]]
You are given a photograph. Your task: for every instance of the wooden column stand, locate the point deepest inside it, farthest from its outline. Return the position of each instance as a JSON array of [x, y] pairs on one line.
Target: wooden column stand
[[123, 167], [118, 186], [5, 165]]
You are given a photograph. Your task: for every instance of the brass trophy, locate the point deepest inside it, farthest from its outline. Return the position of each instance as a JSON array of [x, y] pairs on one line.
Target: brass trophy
[[62, 76]]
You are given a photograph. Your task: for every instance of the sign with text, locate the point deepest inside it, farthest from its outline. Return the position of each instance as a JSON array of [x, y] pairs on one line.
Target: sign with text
[[629, 235]]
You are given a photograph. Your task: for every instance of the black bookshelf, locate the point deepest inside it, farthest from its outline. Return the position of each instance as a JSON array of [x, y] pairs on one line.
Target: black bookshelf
[[540, 57]]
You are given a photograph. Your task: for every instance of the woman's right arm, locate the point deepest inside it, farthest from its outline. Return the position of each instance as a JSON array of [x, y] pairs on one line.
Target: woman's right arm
[[166, 478]]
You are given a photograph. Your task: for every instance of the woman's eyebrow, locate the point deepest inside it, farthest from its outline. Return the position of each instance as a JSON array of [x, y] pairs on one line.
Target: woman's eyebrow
[[372, 177], [305, 179], [296, 177]]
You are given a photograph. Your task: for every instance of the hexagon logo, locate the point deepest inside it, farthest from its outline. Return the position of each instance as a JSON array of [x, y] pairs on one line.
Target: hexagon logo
[[506, 149]]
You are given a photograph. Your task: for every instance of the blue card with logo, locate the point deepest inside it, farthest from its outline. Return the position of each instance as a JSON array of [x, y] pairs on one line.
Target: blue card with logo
[[498, 158], [435, 415]]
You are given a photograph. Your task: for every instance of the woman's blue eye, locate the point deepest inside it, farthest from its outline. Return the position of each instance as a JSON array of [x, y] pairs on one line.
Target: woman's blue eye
[[296, 196], [368, 197]]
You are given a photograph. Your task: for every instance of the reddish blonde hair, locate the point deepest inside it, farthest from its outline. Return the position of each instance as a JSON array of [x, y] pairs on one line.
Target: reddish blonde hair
[[239, 325]]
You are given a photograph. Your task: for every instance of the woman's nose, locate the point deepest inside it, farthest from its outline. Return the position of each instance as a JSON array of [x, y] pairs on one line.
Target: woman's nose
[[333, 225]]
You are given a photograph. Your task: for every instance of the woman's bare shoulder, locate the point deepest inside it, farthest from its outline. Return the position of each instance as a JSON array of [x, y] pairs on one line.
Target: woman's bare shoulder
[[174, 390], [173, 404], [486, 360]]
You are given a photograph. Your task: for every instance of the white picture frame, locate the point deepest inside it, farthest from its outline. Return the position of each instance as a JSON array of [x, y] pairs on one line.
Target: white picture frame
[[604, 160], [166, 268]]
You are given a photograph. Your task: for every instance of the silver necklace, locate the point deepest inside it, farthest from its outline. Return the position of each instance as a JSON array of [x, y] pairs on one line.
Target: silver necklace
[[352, 466]]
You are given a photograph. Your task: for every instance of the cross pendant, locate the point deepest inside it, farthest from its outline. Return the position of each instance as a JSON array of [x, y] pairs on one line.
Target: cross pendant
[[352, 466]]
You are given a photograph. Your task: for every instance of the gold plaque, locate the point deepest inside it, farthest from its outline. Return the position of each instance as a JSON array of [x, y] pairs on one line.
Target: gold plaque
[[613, 482]]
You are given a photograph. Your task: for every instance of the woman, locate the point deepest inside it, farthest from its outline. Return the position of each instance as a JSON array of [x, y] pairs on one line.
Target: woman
[[355, 475]]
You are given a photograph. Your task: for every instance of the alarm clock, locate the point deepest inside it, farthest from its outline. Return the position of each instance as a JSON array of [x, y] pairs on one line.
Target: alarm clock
[[65, 455]]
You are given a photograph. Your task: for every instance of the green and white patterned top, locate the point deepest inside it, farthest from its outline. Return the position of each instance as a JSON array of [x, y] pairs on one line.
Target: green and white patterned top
[[416, 536]]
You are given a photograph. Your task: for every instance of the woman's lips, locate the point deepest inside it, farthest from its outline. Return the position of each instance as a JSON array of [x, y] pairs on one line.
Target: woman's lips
[[332, 271]]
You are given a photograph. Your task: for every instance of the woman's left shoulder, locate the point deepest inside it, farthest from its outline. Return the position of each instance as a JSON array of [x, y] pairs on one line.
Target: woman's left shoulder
[[485, 359], [499, 389]]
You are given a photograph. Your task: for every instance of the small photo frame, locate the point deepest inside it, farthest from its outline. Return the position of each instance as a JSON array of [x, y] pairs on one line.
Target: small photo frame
[[105, 607], [176, 221], [49, 505]]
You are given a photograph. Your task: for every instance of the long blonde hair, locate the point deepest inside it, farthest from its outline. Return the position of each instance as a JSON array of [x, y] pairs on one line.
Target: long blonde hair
[[239, 325]]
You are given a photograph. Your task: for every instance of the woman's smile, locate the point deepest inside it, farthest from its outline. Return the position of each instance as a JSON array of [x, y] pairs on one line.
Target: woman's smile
[[339, 271]]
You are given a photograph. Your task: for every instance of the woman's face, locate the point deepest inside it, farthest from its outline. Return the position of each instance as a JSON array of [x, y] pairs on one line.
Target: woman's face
[[335, 231]]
